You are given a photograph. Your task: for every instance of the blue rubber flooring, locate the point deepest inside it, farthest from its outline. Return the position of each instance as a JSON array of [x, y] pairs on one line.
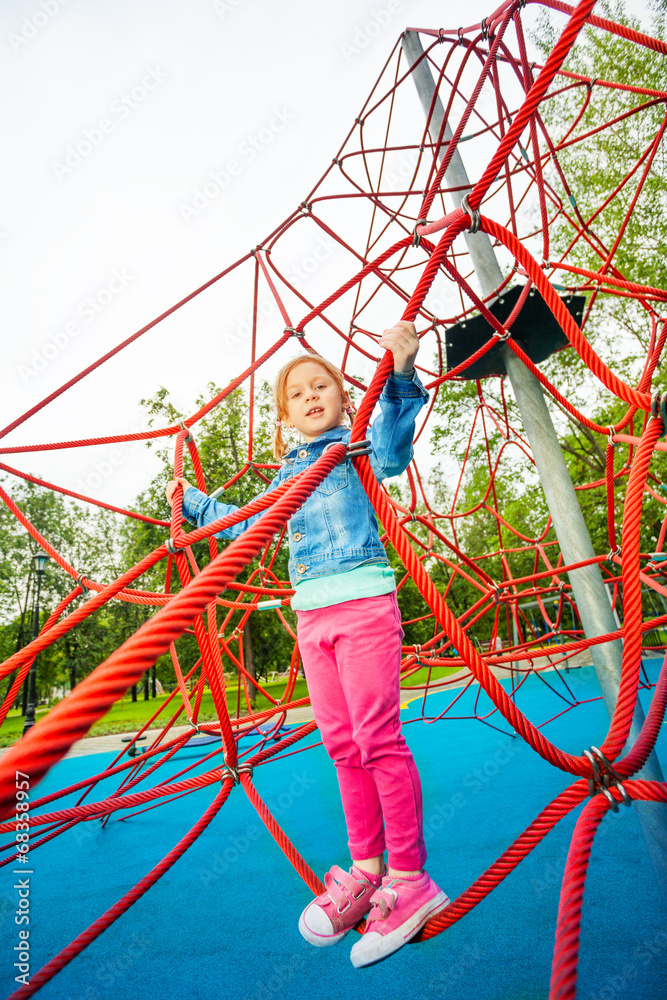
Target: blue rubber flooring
[[223, 921]]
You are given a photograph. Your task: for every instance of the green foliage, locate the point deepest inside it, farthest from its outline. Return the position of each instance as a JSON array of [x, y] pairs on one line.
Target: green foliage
[[599, 164]]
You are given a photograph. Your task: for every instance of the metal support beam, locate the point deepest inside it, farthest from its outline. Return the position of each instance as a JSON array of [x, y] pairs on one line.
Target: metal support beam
[[589, 591]]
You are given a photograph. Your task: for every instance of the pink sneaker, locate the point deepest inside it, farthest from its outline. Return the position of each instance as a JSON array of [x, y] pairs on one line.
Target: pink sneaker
[[401, 907], [346, 900]]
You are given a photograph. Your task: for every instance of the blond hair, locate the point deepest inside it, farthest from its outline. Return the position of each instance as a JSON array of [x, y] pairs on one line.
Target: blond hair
[[280, 446]]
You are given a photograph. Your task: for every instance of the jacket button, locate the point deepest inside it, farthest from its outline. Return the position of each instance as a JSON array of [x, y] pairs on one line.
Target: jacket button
[[301, 568], [297, 536], [303, 453]]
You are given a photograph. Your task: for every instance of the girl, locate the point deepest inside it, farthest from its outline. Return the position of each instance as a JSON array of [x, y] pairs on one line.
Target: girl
[[349, 632]]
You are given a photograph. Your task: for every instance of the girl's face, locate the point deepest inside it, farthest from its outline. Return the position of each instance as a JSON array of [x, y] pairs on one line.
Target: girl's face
[[313, 399]]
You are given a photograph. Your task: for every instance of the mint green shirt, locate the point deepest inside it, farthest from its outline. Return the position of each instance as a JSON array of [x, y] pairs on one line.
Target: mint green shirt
[[323, 591]]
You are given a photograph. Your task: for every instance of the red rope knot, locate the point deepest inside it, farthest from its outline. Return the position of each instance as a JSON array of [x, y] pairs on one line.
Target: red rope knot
[[473, 213], [416, 237], [603, 782]]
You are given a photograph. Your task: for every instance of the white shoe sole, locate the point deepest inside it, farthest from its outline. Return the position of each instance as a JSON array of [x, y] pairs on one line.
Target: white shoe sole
[[374, 947], [319, 940]]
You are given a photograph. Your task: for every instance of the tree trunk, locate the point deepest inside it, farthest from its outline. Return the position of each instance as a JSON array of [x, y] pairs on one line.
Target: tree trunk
[[134, 692], [146, 691], [153, 691]]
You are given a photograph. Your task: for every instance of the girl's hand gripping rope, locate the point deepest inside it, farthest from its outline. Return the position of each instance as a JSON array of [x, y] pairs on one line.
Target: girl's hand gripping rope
[[403, 343], [171, 487]]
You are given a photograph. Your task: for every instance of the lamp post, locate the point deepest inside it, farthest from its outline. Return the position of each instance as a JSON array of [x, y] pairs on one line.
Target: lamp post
[[40, 560]]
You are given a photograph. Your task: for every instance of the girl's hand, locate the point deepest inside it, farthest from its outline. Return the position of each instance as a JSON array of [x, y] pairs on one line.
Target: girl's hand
[[403, 343], [171, 487]]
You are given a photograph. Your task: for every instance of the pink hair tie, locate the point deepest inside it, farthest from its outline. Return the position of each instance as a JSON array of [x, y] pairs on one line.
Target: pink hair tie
[[279, 422], [350, 411]]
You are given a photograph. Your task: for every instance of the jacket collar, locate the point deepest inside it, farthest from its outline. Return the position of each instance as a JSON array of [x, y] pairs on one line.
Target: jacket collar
[[333, 434]]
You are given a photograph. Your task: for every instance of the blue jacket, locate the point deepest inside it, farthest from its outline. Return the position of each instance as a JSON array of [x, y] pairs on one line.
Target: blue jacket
[[335, 530]]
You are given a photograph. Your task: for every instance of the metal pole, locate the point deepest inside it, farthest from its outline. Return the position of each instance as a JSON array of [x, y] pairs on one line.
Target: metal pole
[[590, 593], [29, 720]]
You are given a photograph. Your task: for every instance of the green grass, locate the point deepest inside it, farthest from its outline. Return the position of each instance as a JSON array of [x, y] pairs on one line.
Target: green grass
[[127, 716]]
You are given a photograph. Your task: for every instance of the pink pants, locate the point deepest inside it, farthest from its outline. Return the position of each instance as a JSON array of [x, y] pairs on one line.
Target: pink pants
[[351, 655]]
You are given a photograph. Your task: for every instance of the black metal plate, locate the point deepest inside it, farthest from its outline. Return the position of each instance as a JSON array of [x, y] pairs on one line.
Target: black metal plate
[[535, 330]]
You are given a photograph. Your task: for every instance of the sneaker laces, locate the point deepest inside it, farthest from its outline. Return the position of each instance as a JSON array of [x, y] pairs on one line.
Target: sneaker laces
[[383, 901]]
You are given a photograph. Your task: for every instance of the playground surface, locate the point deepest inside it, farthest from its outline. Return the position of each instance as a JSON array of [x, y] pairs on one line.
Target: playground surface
[[223, 920]]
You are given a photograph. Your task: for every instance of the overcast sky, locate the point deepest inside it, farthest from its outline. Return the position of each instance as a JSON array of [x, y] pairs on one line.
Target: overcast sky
[[147, 145]]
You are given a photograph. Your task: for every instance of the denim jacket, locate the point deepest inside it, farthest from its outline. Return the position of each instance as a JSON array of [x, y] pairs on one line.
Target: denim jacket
[[335, 530]]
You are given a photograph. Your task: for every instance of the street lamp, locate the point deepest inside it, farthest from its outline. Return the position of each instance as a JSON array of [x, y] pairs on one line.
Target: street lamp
[[40, 560]]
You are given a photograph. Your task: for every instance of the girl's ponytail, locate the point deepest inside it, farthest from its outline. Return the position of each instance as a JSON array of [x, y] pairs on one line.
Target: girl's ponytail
[[280, 448]]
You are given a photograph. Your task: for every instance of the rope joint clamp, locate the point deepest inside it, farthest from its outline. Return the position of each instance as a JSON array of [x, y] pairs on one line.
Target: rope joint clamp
[[356, 448], [416, 237], [184, 427], [235, 772], [473, 213], [658, 408], [603, 782], [614, 554], [80, 583], [170, 546], [294, 332], [611, 430], [502, 337]]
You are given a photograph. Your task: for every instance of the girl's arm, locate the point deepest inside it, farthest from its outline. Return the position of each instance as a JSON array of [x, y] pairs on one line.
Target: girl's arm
[[200, 509], [402, 398]]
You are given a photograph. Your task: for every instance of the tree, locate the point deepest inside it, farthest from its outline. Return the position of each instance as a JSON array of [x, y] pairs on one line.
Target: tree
[[595, 164], [222, 438]]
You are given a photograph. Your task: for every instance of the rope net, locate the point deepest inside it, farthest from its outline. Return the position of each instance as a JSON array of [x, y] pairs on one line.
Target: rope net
[[391, 180]]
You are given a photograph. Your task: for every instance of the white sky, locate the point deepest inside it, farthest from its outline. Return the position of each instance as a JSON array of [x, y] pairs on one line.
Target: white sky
[[210, 76]]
